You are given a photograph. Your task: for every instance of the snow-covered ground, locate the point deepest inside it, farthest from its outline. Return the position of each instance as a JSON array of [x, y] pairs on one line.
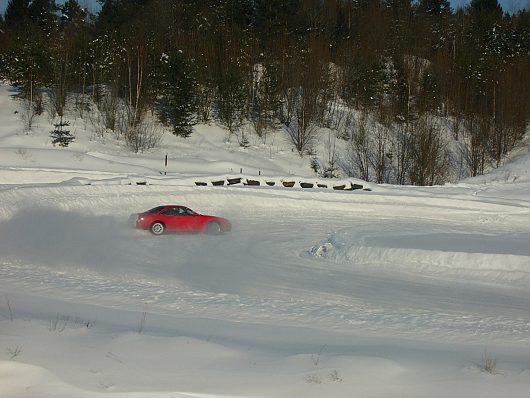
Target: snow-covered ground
[[392, 292]]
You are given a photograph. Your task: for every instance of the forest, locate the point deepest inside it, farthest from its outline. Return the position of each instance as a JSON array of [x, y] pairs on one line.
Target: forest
[[416, 92]]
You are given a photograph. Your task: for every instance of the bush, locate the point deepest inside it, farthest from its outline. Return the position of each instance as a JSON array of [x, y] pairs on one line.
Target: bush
[[143, 136]]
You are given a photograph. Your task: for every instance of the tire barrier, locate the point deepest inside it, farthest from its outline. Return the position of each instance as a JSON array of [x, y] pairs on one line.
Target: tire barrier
[[229, 181]]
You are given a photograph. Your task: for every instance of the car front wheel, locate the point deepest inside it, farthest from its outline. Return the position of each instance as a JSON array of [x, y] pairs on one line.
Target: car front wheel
[[213, 228], [157, 228]]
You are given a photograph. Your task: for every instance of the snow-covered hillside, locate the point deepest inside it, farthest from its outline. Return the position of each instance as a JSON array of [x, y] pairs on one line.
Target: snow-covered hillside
[[383, 291]]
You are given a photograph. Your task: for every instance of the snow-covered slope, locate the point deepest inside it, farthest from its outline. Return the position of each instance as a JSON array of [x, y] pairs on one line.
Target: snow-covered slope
[[392, 291]]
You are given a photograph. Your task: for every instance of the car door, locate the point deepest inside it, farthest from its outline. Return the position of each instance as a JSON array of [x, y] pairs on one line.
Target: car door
[[194, 221], [174, 219]]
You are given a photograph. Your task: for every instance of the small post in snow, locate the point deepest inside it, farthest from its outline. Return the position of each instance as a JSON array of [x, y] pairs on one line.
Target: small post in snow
[[165, 166]]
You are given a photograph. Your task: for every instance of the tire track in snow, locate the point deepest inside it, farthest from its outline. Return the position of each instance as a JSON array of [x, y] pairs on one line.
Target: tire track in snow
[[257, 274]]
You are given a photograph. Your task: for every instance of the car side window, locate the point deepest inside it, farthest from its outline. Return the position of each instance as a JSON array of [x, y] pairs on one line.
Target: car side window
[[177, 211], [169, 212]]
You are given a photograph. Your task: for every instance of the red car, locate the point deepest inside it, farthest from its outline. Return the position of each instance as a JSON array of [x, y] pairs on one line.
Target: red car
[[175, 218]]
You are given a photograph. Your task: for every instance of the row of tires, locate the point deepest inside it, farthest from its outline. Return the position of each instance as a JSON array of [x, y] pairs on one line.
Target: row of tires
[[287, 184]]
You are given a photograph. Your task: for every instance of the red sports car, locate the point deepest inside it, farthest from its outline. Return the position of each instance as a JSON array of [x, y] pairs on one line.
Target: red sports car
[[175, 218]]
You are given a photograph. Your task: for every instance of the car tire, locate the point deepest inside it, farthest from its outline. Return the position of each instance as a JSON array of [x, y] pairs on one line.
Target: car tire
[[157, 228], [213, 228]]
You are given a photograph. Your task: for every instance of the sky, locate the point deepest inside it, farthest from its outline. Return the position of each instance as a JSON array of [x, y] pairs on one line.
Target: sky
[[508, 5]]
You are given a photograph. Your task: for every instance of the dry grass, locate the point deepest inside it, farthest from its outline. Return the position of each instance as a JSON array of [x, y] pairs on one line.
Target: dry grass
[[488, 364]]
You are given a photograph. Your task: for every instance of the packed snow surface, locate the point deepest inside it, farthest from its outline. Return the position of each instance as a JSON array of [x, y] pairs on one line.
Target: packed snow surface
[[386, 292]]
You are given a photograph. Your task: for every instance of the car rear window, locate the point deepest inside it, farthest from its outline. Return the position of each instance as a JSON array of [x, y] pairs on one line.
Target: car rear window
[[154, 210]]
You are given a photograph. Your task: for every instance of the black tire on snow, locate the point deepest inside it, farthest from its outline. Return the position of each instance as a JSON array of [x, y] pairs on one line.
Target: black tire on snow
[[213, 228]]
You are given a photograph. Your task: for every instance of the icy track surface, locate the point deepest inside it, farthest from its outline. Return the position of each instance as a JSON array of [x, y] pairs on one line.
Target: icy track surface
[[291, 260], [448, 268]]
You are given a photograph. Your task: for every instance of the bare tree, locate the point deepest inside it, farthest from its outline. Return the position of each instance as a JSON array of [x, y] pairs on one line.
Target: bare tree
[[144, 135], [61, 77], [27, 114], [106, 116], [308, 99], [136, 75], [475, 148], [429, 153], [330, 167], [401, 151], [302, 132], [359, 147], [265, 100], [381, 156]]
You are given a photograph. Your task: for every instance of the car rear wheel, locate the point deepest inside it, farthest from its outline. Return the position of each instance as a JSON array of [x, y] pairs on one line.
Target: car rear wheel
[[213, 228], [157, 228]]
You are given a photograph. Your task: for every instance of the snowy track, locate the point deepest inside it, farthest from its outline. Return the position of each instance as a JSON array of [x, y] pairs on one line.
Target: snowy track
[[321, 260]]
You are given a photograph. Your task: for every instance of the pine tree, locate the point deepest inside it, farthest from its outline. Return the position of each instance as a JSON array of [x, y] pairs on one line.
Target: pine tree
[[17, 14], [272, 16], [265, 101], [118, 14], [42, 13], [485, 6], [60, 136], [363, 79], [72, 14], [435, 7], [231, 97], [25, 63], [436, 18], [401, 22], [178, 90]]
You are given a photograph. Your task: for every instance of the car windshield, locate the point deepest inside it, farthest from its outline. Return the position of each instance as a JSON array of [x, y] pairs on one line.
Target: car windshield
[[154, 210], [188, 212]]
